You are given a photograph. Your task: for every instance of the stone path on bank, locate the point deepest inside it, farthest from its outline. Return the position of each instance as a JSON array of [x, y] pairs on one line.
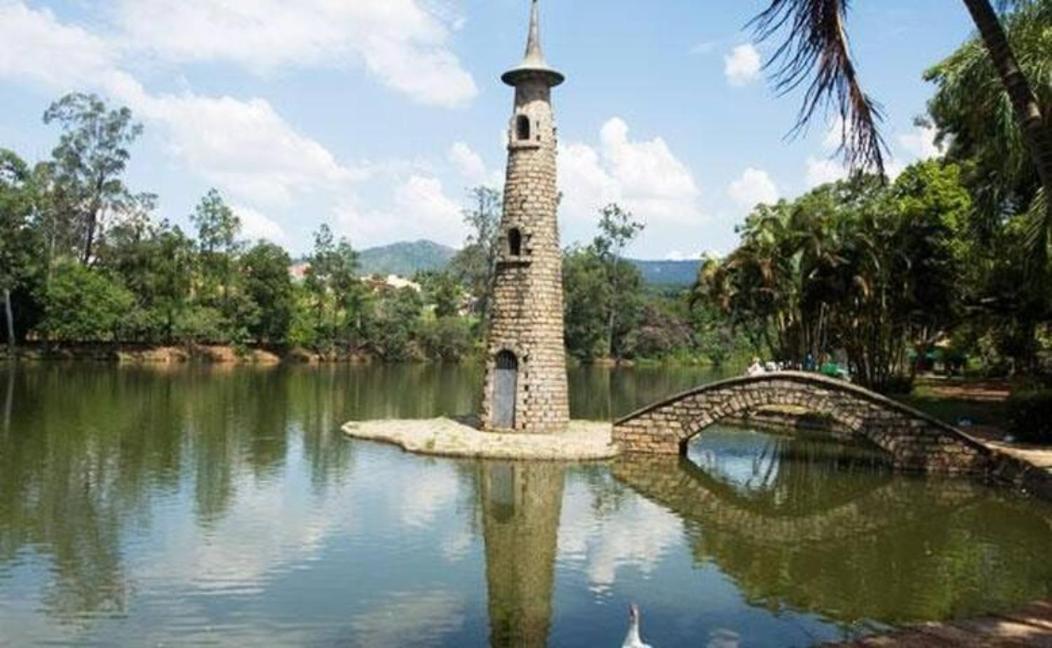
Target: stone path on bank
[[583, 441], [1030, 626]]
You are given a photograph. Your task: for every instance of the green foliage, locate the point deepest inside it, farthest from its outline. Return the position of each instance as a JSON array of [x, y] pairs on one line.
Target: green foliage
[[443, 291], [392, 327], [855, 265], [89, 161], [585, 288], [266, 284], [975, 119], [84, 304], [336, 296], [447, 338], [1030, 417], [475, 264]]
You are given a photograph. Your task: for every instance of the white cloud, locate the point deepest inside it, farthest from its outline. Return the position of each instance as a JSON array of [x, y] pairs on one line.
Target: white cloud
[[471, 167], [822, 171], [752, 188], [637, 535], [742, 66], [35, 47], [920, 143], [401, 42], [243, 147], [834, 134], [419, 208], [256, 225], [644, 176]]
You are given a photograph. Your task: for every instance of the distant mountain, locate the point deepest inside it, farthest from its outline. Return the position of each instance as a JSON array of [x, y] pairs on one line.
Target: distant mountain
[[405, 259], [668, 273]]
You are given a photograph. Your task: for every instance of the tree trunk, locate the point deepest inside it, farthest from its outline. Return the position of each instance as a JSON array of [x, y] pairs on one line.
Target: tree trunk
[[10, 316], [9, 400], [612, 317], [1036, 133]]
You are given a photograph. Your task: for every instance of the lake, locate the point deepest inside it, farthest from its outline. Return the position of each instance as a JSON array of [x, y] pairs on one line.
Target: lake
[[223, 506]]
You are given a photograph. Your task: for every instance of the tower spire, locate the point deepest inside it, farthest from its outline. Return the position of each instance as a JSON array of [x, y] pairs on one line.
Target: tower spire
[[533, 65], [534, 54]]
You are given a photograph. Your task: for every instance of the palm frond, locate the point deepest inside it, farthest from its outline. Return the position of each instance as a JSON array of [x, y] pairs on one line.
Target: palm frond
[[816, 52], [1038, 230]]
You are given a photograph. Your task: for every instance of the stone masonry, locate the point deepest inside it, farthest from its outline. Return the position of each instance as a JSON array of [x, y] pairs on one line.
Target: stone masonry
[[527, 312], [913, 440]]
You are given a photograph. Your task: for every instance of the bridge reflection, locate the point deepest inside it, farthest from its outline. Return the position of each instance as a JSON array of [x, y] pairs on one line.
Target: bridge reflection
[[799, 525], [785, 475]]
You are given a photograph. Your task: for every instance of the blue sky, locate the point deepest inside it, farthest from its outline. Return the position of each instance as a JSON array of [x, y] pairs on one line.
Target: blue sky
[[375, 116]]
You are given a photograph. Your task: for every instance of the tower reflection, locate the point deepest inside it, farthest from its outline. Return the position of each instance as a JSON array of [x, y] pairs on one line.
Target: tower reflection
[[521, 504]]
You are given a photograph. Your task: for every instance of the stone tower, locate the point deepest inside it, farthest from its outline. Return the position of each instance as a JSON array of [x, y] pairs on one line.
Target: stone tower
[[525, 387]]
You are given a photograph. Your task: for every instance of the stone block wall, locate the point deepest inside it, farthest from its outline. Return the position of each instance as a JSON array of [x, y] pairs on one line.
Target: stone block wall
[[913, 440], [527, 308]]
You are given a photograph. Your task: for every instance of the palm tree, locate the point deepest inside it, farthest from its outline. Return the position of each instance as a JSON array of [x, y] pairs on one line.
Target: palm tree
[[816, 52]]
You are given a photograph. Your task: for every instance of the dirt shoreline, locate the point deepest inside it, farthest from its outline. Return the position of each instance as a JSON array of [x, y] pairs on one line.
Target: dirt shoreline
[[141, 354]]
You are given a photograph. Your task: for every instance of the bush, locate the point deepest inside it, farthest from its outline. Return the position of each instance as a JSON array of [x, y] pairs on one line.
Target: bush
[[1030, 417], [85, 305], [447, 338]]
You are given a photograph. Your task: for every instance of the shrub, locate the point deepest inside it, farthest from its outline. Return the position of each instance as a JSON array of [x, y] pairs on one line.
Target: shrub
[[1030, 417], [85, 305]]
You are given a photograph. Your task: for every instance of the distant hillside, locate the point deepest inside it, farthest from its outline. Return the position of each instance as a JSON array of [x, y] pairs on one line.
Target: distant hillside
[[668, 273], [406, 258]]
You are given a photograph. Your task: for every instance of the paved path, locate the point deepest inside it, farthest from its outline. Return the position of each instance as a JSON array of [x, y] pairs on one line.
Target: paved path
[[583, 441], [1030, 626]]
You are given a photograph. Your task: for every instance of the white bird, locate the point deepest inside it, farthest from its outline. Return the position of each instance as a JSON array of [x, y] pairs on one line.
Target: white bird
[[632, 639]]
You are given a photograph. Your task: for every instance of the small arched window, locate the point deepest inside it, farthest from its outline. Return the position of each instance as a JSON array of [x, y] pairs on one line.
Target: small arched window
[[522, 128], [514, 242]]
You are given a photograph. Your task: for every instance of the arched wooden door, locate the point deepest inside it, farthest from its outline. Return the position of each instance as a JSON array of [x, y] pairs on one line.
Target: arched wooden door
[[505, 386]]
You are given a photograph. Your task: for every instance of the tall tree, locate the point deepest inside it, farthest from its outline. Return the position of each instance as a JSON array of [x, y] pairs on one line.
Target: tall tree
[[14, 218], [217, 231], [617, 230], [266, 283], [89, 161], [816, 52], [975, 121], [475, 264]]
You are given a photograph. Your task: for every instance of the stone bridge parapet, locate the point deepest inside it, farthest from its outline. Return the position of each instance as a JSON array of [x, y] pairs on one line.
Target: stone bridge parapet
[[913, 440]]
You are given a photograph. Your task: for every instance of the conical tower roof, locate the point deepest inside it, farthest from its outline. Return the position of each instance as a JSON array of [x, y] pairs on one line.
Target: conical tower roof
[[533, 66]]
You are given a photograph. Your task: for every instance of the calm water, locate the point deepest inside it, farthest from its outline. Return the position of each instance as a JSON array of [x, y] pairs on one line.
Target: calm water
[[225, 508]]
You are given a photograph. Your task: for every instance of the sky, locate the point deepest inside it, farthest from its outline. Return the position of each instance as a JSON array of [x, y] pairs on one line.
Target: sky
[[377, 116]]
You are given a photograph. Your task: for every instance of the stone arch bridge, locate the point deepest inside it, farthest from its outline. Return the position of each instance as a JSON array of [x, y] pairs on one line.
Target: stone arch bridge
[[913, 440]]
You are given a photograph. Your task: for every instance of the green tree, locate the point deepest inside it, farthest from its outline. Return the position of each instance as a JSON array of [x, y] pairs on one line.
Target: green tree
[[217, 231], [89, 161], [975, 120], [18, 245], [816, 52], [585, 288], [336, 292], [393, 326], [443, 291], [476, 263], [266, 283], [617, 230], [84, 304]]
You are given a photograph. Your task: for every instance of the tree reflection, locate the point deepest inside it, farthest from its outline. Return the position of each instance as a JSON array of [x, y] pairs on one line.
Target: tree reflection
[[521, 504], [822, 533]]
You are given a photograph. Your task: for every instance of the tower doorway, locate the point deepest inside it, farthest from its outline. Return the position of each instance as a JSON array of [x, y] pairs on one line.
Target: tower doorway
[[505, 386]]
